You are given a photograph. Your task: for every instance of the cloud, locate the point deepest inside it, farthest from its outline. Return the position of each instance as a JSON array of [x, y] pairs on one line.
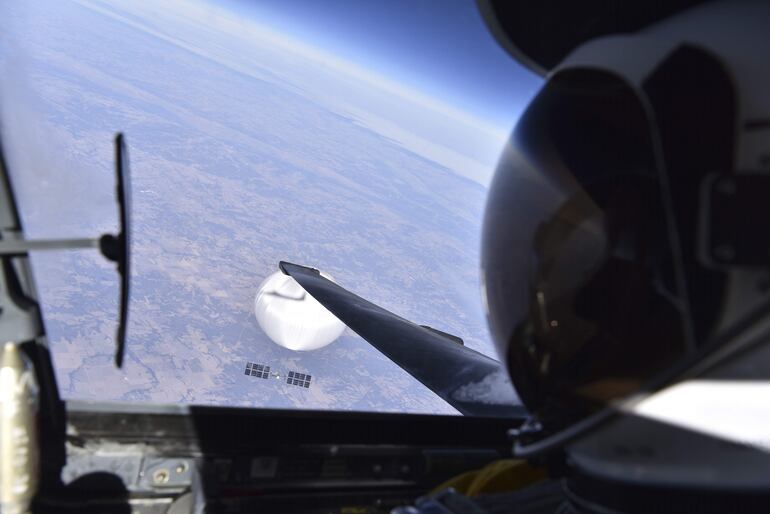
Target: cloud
[[495, 388]]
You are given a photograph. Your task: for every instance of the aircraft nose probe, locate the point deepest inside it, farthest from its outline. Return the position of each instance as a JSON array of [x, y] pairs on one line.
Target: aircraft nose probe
[[115, 247]]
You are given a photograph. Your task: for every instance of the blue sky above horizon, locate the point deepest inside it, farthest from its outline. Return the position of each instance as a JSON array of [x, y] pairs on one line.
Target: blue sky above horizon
[[441, 48], [427, 74]]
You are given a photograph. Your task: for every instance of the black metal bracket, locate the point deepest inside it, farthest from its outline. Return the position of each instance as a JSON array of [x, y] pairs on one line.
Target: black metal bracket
[[116, 248], [734, 221]]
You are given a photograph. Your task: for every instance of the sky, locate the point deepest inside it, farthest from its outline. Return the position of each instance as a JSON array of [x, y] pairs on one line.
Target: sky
[[439, 47], [428, 74]]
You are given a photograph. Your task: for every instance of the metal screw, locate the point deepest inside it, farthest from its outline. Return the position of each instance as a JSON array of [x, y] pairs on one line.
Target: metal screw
[[160, 476], [181, 467]]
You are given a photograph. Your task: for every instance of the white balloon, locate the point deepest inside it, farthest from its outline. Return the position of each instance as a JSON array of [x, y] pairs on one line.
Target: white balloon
[[291, 317]]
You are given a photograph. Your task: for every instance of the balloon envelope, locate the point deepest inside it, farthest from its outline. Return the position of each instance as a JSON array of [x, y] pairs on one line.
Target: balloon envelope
[[292, 318]]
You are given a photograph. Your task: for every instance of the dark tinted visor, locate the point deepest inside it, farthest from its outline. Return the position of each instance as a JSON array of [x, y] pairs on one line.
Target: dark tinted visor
[[577, 261]]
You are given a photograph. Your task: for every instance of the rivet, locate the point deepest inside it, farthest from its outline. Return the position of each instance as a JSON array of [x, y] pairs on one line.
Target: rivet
[[160, 476]]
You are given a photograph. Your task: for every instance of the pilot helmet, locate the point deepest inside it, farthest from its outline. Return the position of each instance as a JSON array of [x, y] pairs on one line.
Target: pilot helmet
[[626, 247]]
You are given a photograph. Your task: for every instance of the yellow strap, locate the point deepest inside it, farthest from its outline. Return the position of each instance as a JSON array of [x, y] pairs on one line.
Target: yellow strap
[[496, 477]]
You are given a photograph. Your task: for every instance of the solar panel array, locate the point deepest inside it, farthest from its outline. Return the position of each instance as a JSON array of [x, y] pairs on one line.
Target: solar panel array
[[298, 379], [257, 370]]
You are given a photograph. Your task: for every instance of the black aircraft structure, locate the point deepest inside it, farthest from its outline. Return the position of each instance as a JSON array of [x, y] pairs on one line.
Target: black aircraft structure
[[469, 381], [440, 361]]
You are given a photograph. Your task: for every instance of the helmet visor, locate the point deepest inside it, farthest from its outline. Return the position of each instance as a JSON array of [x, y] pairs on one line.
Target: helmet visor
[[577, 262]]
